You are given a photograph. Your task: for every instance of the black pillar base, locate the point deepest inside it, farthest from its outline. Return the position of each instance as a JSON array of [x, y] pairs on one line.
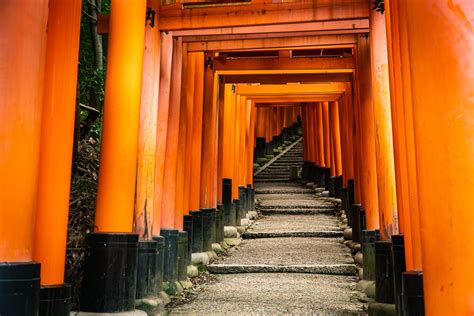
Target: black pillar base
[[197, 231], [398, 258], [327, 177], [412, 293], [229, 216], [338, 187], [220, 223], [170, 272], [55, 300], [207, 228], [368, 239], [19, 288], [331, 187], [384, 272], [349, 201], [236, 205], [243, 201], [109, 280], [146, 268], [160, 262], [356, 227], [182, 255], [188, 227]]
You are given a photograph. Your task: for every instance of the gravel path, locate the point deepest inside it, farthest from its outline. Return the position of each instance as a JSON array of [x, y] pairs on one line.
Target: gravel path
[[279, 242]]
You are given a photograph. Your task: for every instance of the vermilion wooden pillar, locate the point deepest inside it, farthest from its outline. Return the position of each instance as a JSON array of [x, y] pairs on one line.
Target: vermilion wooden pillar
[[326, 135], [253, 119], [237, 136], [190, 77], [21, 87], [170, 218], [383, 126], [166, 60], [228, 140], [269, 124], [209, 135], [399, 137], [336, 136], [440, 43], [409, 133], [145, 188], [118, 153], [304, 127], [57, 134], [181, 159], [368, 165], [320, 135], [194, 194], [220, 136], [312, 133]]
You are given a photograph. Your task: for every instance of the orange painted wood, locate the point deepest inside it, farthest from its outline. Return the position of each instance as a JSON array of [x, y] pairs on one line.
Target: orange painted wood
[[440, 39], [118, 154], [220, 137], [336, 136], [269, 125], [21, 87], [400, 9], [181, 159], [304, 128], [209, 136], [320, 135], [237, 134], [301, 63], [260, 12], [57, 134], [383, 127], [260, 122], [335, 26], [145, 188], [228, 129], [169, 216], [326, 136], [368, 165], [190, 77], [317, 41], [166, 60], [398, 131], [194, 194]]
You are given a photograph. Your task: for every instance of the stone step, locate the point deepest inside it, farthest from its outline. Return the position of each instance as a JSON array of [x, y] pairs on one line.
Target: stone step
[[292, 234], [305, 211], [275, 294], [332, 269]]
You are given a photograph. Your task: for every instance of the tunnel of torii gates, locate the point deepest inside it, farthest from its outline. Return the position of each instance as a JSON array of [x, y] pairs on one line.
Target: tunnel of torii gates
[[196, 93]]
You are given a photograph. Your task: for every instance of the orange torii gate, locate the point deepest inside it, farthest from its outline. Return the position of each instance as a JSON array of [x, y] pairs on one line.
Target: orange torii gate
[[169, 138]]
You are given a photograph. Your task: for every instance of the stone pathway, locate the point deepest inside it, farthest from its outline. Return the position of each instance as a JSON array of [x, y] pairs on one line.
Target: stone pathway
[[291, 261]]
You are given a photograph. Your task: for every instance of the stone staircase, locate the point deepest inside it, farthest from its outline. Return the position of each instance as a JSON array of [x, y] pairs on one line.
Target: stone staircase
[[292, 260]]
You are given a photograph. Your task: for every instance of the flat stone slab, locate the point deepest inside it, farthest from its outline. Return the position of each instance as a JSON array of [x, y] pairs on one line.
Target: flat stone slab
[[321, 234], [291, 211], [290, 251], [296, 223], [276, 294], [282, 196], [334, 269], [288, 203]]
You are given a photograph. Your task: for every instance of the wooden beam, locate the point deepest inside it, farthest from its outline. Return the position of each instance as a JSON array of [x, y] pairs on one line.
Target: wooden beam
[[285, 78], [336, 26], [303, 63], [302, 89], [329, 41], [295, 98], [260, 12]]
